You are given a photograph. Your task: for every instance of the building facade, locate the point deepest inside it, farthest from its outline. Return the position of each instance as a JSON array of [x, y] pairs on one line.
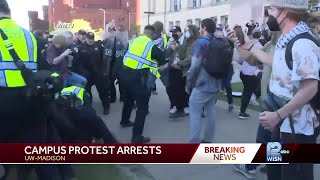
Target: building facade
[[184, 12], [39, 24], [123, 12]]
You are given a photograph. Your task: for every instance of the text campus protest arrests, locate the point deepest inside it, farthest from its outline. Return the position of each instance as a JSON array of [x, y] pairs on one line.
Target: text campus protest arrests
[[93, 150]]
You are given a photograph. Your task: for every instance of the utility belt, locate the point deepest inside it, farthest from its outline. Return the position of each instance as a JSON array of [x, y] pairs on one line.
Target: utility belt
[[147, 79]]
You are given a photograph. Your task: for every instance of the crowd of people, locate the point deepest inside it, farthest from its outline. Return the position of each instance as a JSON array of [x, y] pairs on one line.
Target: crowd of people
[[279, 64]]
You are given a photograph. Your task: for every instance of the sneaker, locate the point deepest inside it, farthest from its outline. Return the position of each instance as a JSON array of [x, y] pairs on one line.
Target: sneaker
[[140, 139], [186, 111], [244, 116], [241, 168], [127, 124], [177, 114], [173, 110], [254, 103]]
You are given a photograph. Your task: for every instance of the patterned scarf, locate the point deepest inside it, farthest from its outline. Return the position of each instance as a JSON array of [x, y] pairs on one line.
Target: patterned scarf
[[284, 39]]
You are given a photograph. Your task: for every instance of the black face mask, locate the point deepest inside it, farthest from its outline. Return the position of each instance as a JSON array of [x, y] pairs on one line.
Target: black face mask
[[175, 37], [273, 24]]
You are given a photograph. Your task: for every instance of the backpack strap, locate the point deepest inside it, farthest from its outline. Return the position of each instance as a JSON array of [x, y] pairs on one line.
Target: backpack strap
[[288, 53], [289, 62]]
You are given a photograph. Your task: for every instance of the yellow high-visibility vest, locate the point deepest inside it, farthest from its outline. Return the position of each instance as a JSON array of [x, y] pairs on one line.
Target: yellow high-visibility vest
[[74, 90], [25, 44], [165, 40], [139, 55]]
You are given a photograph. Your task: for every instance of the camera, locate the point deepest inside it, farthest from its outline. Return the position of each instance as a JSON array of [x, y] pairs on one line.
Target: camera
[[74, 51]]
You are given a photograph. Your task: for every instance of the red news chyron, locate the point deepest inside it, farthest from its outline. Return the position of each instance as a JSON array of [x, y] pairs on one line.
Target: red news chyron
[[93, 150]]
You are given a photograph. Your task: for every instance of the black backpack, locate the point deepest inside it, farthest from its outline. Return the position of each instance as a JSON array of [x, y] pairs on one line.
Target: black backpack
[[315, 101], [218, 58]]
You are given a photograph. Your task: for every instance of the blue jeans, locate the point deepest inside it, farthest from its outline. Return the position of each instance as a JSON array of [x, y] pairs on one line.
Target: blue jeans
[[199, 100], [75, 79]]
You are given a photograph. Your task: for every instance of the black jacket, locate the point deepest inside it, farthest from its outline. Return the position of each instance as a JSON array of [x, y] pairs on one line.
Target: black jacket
[[91, 59]]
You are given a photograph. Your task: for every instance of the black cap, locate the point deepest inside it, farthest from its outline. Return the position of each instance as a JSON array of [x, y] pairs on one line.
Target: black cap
[[90, 35], [82, 32], [175, 29], [4, 7]]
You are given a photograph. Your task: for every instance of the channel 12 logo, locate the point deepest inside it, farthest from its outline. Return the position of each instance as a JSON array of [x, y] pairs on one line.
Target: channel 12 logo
[[275, 152]]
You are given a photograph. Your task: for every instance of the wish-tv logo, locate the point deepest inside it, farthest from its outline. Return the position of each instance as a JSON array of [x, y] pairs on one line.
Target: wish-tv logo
[[275, 152]]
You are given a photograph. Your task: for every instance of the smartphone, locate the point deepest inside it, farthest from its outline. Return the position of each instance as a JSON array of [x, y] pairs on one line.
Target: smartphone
[[239, 34]]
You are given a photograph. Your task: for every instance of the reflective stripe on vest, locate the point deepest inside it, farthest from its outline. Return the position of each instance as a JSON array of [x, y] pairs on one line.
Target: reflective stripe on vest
[[135, 58], [25, 46], [79, 92]]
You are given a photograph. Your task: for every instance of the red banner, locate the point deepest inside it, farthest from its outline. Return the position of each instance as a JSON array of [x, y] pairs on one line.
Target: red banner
[[159, 153], [96, 153]]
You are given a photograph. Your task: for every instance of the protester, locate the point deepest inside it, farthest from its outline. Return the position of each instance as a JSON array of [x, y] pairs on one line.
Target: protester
[[202, 87], [59, 58], [249, 79], [263, 135], [289, 17], [250, 27], [185, 55], [226, 82]]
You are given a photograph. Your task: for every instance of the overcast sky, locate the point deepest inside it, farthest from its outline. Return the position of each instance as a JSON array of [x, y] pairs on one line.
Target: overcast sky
[[20, 8]]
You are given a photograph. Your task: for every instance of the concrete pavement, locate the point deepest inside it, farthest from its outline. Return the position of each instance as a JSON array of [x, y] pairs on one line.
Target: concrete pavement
[[229, 129]]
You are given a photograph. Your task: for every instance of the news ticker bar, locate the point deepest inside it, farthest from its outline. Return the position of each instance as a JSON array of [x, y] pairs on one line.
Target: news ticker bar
[[270, 153]]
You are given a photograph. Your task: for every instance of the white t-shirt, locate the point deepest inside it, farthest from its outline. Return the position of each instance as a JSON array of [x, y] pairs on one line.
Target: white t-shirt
[[285, 83]]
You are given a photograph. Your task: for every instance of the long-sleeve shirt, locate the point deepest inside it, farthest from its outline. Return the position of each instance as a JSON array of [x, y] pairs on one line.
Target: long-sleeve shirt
[[158, 55]]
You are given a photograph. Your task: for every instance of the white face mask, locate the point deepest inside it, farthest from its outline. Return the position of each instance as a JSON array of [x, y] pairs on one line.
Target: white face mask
[[187, 34]]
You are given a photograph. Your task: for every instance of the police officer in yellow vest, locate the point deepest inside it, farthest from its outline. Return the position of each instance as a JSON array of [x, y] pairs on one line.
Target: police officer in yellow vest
[[137, 78], [21, 118], [12, 84]]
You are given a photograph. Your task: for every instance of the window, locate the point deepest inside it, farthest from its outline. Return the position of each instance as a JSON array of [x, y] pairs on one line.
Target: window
[[175, 5], [194, 3], [53, 10], [224, 20], [189, 22], [170, 25], [177, 23], [221, 1], [198, 22]]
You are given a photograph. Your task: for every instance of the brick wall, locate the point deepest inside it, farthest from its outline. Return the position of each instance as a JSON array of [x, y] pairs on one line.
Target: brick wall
[[62, 10]]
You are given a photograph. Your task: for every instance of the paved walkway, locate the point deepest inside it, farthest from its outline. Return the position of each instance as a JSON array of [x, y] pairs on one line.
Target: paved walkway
[[229, 129]]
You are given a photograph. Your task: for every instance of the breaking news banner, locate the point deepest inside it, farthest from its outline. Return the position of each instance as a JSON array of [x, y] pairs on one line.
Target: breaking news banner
[[273, 152]]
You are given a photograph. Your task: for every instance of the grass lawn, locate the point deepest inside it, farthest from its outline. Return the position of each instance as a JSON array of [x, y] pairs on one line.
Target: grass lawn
[[237, 87]]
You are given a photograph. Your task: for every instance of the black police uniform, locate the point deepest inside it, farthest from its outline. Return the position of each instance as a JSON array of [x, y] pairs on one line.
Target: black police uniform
[[79, 124], [134, 83], [114, 51], [92, 67]]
